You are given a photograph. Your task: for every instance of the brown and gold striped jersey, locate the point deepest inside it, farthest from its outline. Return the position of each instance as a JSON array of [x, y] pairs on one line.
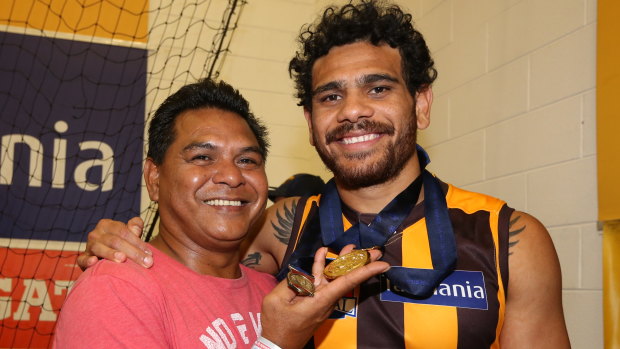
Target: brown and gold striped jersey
[[467, 308]]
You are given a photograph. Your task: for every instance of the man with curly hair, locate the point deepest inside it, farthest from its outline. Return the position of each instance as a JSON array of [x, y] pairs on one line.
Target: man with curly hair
[[467, 270]]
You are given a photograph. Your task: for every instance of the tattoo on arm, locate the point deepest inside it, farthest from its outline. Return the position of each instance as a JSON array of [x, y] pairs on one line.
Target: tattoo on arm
[[252, 259], [513, 232], [284, 224]]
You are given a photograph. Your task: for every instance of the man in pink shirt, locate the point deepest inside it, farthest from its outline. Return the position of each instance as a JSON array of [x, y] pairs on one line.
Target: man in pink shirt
[[205, 168]]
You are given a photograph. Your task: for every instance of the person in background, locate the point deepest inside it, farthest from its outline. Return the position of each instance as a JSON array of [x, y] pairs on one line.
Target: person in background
[[205, 168], [467, 270], [301, 184]]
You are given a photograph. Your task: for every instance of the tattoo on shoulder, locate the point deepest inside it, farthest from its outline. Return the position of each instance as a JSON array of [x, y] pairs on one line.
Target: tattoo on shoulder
[[252, 259], [513, 231], [284, 225]]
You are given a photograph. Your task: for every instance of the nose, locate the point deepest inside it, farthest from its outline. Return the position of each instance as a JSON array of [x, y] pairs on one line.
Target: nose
[[355, 106], [229, 174]]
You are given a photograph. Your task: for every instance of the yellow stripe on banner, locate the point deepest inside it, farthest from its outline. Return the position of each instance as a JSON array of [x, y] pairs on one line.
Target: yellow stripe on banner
[[608, 160], [611, 284], [112, 19], [440, 328], [607, 121]]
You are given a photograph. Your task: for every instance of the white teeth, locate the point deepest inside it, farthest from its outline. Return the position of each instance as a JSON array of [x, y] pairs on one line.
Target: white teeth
[[223, 203], [364, 138]]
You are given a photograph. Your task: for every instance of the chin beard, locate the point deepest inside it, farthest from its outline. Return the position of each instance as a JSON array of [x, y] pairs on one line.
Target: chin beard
[[390, 164], [365, 175]]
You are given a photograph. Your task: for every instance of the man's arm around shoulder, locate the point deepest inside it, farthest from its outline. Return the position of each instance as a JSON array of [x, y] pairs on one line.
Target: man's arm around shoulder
[[267, 243], [534, 315]]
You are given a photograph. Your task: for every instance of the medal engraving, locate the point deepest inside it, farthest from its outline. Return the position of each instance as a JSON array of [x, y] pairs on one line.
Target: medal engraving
[[300, 282], [345, 263]]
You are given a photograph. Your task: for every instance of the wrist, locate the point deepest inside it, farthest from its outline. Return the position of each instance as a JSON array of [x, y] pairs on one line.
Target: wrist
[[264, 343]]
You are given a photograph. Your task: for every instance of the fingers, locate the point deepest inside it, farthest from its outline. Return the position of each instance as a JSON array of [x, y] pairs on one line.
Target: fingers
[[319, 265], [289, 320], [92, 260], [319, 261], [348, 248], [336, 289], [136, 225], [86, 260], [117, 241], [281, 292], [375, 255]]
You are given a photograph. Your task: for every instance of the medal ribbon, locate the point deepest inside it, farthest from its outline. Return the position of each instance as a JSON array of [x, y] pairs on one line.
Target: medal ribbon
[[417, 282], [361, 235]]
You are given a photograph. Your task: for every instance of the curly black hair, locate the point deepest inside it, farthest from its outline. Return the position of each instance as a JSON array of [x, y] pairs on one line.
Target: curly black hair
[[374, 21]]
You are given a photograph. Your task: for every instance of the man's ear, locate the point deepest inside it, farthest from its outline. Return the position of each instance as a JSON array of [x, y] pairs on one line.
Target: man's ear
[[151, 177], [423, 102], [308, 116]]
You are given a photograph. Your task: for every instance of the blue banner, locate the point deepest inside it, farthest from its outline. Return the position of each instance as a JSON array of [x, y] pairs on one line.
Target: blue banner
[[71, 123]]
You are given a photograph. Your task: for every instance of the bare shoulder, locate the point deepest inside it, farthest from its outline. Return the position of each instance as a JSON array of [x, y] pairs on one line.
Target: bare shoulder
[[534, 315], [525, 234], [268, 240]]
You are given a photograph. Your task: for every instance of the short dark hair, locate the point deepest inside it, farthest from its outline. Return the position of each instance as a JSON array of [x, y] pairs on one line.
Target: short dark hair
[[374, 21], [205, 93]]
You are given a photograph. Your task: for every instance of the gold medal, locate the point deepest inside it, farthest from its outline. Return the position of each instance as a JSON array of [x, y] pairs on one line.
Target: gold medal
[[345, 263], [300, 282]]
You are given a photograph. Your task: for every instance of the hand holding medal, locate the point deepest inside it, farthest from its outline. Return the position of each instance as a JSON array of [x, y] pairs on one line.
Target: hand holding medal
[[298, 305], [304, 284], [347, 262]]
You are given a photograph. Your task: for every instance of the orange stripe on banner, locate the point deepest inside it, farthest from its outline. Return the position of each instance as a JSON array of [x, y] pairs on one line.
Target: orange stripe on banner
[[607, 121], [440, 328], [113, 19]]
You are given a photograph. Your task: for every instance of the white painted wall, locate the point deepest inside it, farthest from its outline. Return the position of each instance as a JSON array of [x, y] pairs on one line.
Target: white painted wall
[[514, 117], [261, 49]]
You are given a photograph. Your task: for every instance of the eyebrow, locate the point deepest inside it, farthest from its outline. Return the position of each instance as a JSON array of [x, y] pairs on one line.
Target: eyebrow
[[253, 149], [210, 146], [333, 85], [372, 78], [361, 81], [199, 145]]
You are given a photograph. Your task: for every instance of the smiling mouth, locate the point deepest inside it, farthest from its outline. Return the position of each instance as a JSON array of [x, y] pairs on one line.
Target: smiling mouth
[[220, 202], [363, 131], [359, 139]]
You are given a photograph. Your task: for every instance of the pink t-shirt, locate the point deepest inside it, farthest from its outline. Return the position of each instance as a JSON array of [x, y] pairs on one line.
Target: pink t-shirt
[[167, 306]]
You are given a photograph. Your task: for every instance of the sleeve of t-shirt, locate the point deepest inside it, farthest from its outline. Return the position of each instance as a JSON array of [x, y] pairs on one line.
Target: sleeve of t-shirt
[[110, 311]]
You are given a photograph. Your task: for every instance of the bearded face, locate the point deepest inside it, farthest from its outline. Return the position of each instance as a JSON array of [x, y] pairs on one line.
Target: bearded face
[[373, 166], [364, 119]]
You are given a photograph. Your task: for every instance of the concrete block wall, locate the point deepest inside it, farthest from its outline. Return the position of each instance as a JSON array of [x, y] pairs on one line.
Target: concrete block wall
[[257, 64], [514, 117]]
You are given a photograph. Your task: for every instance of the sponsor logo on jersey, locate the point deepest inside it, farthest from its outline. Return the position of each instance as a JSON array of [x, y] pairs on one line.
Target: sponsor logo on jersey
[[462, 289], [345, 307]]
